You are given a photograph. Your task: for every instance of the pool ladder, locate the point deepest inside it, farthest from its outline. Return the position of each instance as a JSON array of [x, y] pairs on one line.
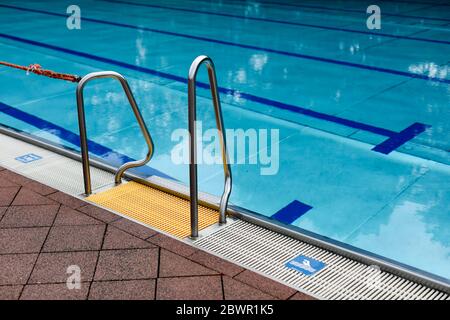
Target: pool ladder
[[192, 108]]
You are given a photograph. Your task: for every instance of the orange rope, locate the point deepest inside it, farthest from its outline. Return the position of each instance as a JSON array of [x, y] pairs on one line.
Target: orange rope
[[37, 69]]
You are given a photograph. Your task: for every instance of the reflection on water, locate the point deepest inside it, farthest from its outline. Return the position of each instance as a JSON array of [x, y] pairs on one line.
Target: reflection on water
[[258, 61], [430, 69], [414, 229]]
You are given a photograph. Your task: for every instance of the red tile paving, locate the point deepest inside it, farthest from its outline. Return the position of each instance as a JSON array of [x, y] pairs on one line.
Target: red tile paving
[[26, 216], [16, 268], [57, 291], [10, 292], [134, 228], [52, 267], [6, 183], [22, 240], [118, 239], [266, 285], [216, 263], [66, 199], [2, 211], [236, 290], [26, 197], [70, 217], [7, 195], [123, 290], [173, 265], [127, 264], [99, 213], [172, 245], [44, 231], [40, 188], [74, 238], [190, 288], [10, 177]]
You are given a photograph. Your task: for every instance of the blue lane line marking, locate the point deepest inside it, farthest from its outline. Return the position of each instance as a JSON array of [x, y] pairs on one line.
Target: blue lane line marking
[[377, 34], [227, 43], [400, 138], [247, 96], [346, 10], [66, 135], [291, 212]]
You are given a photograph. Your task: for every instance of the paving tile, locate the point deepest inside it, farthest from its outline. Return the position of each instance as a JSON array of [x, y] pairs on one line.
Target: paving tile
[[54, 292], [265, 284], [301, 296], [26, 197], [2, 212], [236, 290], [67, 200], [7, 195], [99, 213], [190, 288], [14, 177], [123, 290], [118, 239], [10, 292], [70, 217], [216, 263], [22, 240], [134, 228], [173, 265], [40, 188], [74, 238], [127, 264], [172, 244], [16, 268], [52, 267], [29, 216], [7, 183]]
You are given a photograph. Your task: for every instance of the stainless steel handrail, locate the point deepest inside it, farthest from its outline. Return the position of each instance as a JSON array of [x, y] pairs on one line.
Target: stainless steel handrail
[[83, 134], [193, 142]]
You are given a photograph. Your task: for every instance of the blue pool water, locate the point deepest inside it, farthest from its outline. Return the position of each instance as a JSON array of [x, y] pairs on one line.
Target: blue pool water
[[363, 115]]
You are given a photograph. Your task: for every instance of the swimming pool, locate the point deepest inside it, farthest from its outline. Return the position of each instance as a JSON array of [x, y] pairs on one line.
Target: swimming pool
[[363, 115]]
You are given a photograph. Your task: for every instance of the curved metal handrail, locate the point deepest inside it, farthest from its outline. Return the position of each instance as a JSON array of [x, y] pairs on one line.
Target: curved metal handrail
[[193, 142], [83, 133]]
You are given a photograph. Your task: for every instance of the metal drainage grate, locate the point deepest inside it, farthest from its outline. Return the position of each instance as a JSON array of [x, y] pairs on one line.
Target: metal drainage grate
[[65, 174], [267, 252], [51, 169]]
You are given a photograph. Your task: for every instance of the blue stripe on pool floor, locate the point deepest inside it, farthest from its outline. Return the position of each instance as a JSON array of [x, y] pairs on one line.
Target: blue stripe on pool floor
[[66, 135], [378, 34], [247, 96], [291, 212], [400, 138], [227, 43]]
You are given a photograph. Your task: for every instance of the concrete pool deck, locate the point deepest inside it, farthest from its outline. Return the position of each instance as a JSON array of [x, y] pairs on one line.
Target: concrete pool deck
[[44, 231]]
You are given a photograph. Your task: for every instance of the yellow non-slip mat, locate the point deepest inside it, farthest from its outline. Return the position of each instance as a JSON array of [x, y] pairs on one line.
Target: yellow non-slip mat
[[153, 207]]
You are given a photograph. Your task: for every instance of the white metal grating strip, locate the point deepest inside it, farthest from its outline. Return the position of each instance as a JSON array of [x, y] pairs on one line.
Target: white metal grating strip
[[66, 175], [52, 169], [267, 252]]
